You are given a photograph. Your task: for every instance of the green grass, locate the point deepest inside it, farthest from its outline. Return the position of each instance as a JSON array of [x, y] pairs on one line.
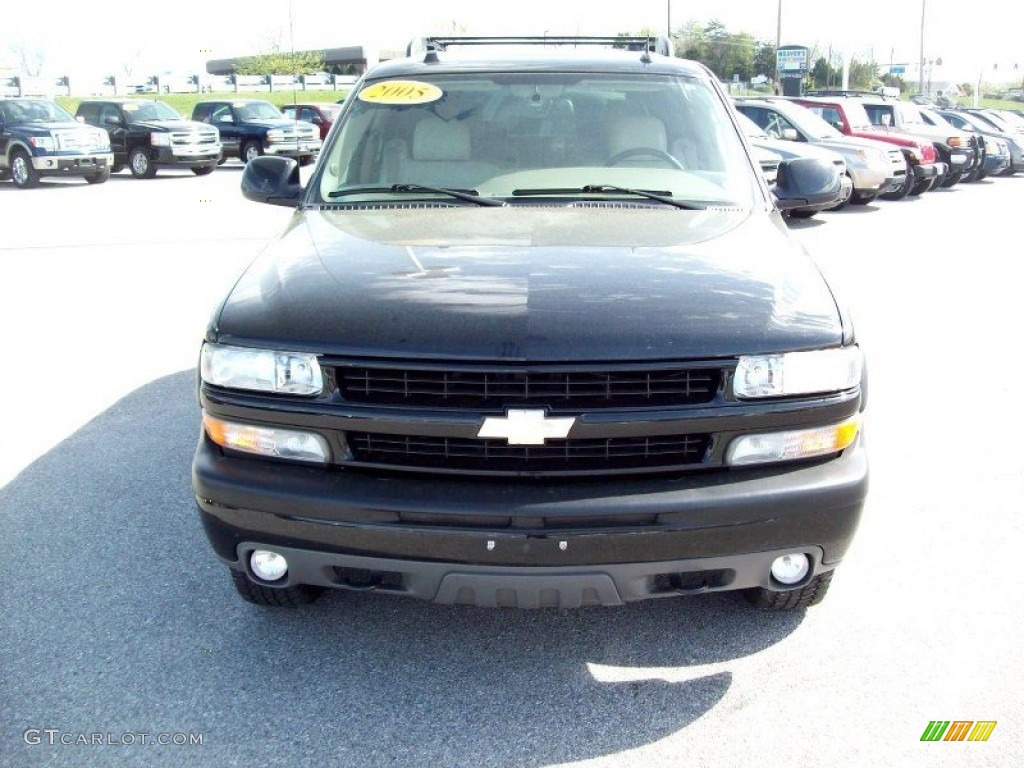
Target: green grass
[[183, 102], [998, 104]]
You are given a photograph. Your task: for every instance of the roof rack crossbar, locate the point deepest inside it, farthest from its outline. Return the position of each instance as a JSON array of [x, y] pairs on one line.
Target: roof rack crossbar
[[647, 44]]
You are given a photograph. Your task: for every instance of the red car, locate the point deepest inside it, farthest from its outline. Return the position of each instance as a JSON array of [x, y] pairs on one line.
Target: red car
[[849, 117], [320, 115]]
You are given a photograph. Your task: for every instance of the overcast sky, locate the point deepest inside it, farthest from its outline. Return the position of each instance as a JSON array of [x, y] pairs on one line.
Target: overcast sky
[[182, 35]]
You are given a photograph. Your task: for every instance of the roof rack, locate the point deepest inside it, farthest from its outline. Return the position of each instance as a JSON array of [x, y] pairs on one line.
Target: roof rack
[[429, 46], [840, 92]]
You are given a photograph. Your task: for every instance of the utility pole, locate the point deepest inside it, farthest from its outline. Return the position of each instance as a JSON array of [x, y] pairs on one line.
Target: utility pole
[[920, 74], [668, 20], [778, 39]]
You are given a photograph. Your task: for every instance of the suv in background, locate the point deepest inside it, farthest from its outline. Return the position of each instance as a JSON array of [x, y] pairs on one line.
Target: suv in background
[[535, 336], [848, 116], [147, 135], [785, 150], [40, 138], [320, 115], [253, 127], [959, 150], [970, 121], [874, 168]]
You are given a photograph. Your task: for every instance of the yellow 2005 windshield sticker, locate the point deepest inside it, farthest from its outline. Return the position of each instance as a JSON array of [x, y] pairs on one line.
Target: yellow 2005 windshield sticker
[[401, 92]]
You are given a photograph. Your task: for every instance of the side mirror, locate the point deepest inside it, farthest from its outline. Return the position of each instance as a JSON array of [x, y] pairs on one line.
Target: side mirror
[[273, 180], [806, 181], [226, 119], [887, 120], [79, 118], [790, 134], [111, 120], [837, 125]]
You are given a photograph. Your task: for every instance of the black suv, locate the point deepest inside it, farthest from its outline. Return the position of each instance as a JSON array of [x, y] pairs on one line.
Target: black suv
[[537, 335], [40, 138], [147, 135], [251, 127]]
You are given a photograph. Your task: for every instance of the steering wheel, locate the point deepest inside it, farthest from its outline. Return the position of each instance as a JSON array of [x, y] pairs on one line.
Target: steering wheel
[[660, 154]]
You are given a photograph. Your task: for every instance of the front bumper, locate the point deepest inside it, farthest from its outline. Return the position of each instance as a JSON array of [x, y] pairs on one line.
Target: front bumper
[[187, 156], [292, 148], [925, 171], [872, 180], [996, 163], [605, 541], [73, 164]]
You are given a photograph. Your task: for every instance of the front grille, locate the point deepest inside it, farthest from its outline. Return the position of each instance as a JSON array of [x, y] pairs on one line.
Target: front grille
[[196, 137], [75, 139], [494, 456], [441, 387]]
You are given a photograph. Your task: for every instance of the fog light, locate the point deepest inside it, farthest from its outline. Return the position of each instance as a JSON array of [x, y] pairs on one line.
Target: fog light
[[789, 569], [270, 566]]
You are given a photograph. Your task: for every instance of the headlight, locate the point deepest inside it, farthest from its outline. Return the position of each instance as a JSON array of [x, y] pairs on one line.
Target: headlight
[[267, 441], [798, 373], [275, 135], [793, 444], [160, 139], [42, 142], [263, 370]]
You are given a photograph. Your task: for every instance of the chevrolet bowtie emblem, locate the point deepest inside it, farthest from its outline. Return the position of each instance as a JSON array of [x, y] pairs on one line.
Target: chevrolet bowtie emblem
[[521, 427]]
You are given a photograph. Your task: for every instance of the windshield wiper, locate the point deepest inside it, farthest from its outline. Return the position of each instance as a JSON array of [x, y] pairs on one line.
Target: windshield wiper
[[662, 196], [469, 195]]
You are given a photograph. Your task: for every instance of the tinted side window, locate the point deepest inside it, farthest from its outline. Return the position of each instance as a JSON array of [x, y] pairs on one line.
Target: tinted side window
[[202, 112], [88, 112]]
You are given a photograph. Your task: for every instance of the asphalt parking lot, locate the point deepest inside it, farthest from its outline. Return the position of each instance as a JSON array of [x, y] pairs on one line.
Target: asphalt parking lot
[[118, 620]]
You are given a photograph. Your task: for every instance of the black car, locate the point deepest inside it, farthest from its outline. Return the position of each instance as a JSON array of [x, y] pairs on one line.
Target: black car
[[147, 135], [537, 335], [250, 128], [39, 138]]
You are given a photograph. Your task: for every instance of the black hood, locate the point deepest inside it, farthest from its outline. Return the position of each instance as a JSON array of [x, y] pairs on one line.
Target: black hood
[[532, 283]]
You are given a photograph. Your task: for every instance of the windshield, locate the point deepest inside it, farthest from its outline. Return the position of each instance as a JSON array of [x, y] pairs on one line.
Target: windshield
[[258, 110], [33, 111], [750, 128], [857, 116], [911, 115], [1010, 120], [138, 111], [516, 135]]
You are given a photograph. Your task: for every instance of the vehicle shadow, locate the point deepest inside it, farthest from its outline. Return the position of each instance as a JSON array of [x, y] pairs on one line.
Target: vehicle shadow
[[119, 619]]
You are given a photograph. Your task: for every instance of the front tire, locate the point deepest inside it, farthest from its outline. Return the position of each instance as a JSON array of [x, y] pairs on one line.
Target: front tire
[[812, 593], [141, 164], [251, 150], [203, 170], [99, 177], [22, 173], [802, 214], [271, 597], [904, 190]]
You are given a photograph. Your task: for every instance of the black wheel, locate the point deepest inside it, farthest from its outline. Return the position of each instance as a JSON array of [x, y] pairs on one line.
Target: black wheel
[[116, 168], [858, 198], [904, 190], [972, 176], [810, 594], [801, 214], [952, 179], [222, 161], [251, 150], [306, 160], [280, 597], [140, 163], [982, 175], [660, 154], [203, 170], [922, 186], [99, 177], [22, 173]]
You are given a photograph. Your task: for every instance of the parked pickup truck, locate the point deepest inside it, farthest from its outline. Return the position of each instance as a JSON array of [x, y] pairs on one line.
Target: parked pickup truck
[[40, 138], [147, 135], [251, 127]]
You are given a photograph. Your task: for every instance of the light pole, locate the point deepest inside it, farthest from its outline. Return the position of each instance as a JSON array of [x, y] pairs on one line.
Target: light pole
[[778, 42], [920, 76]]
